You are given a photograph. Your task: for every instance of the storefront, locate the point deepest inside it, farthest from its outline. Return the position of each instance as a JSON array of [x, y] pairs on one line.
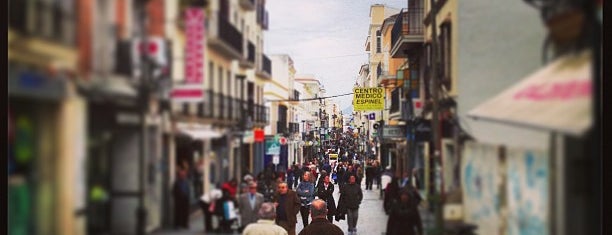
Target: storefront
[[46, 154], [557, 98]]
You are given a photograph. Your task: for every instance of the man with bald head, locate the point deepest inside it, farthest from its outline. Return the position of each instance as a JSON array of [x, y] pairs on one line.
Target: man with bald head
[[265, 224], [320, 225]]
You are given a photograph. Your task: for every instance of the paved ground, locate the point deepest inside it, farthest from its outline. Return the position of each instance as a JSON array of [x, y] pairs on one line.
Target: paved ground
[[372, 218]]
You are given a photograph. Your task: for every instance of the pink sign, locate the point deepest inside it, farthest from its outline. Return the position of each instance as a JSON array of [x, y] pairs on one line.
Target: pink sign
[[556, 91], [194, 50]]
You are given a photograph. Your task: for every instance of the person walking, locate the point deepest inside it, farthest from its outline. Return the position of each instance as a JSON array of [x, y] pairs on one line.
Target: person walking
[[249, 204], [290, 173], [297, 174], [181, 199], [306, 193], [369, 175], [404, 217], [265, 224], [287, 206], [351, 196], [325, 192], [207, 204], [319, 225], [224, 210]]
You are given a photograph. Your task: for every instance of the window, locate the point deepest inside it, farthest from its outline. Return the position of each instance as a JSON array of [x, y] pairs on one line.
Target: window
[[445, 50], [378, 41]]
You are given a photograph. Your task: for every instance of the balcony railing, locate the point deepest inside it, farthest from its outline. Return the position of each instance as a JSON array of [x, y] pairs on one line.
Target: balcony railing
[[294, 127], [408, 24], [230, 35], [261, 114], [251, 110]]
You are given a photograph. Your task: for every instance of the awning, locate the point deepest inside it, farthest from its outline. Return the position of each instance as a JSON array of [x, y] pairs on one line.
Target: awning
[[557, 98], [198, 131]]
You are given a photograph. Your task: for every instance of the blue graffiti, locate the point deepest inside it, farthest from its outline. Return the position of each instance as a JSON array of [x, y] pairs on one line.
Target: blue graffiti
[[468, 180], [529, 161]]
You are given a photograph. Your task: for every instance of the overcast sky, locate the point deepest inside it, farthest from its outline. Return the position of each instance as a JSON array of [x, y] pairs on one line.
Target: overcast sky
[[323, 37]]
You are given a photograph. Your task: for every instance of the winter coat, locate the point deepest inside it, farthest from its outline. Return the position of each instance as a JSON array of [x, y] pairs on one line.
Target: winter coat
[[292, 205], [404, 218], [321, 226], [327, 196], [306, 193], [352, 195]]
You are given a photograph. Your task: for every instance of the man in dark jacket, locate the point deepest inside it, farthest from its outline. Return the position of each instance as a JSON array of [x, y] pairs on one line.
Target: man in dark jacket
[[351, 196], [404, 217], [319, 225], [287, 207]]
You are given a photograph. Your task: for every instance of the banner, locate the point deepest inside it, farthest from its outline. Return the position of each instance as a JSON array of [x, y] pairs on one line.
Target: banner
[[527, 192], [480, 174], [368, 99], [193, 89]]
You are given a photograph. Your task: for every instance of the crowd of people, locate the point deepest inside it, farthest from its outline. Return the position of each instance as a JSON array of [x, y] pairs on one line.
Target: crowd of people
[[271, 200]]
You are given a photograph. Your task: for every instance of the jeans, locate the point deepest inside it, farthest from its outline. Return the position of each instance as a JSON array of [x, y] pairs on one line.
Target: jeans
[[305, 211], [352, 215]]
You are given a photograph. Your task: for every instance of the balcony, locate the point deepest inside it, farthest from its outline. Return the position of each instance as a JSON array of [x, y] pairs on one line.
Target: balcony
[[294, 127], [248, 5], [248, 61], [387, 80], [261, 114], [407, 33], [266, 67], [225, 38]]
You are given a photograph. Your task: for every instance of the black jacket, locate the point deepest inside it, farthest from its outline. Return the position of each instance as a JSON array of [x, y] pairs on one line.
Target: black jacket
[[352, 195], [321, 226], [327, 196], [404, 218]]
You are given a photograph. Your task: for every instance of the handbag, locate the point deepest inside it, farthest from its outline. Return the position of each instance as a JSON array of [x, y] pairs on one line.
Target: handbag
[[211, 208]]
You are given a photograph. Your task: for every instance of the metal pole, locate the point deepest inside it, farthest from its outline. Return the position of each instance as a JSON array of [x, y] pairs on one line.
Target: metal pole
[[141, 212], [437, 197]]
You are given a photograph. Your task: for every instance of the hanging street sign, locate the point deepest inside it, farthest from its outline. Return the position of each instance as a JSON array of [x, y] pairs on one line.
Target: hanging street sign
[[369, 99]]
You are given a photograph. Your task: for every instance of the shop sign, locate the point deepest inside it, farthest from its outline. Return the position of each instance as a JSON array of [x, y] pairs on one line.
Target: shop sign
[[193, 89], [247, 137], [272, 147], [369, 99], [393, 132], [259, 135], [423, 131], [282, 140]]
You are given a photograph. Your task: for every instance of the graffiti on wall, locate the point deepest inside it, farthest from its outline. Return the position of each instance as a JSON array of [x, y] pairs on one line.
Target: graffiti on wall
[[527, 192], [479, 176]]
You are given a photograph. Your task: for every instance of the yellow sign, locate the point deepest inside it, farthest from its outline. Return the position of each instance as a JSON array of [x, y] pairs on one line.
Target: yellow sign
[[333, 156], [368, 99]]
